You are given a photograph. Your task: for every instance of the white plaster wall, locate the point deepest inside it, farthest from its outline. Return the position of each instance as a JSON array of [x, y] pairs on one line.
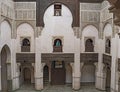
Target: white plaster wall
[[107, 34], [89, 32], [25, 30], [57, 26]]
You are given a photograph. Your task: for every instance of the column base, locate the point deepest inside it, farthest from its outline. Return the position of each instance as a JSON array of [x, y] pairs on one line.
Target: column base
[[100, 83], [15, 83], [76, 83], [39, 83]]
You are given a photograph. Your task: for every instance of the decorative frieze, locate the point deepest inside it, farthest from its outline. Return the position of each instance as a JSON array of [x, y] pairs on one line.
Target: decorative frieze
[[89, 57], [90, 16], [105, 15], [67, 57], [25, 14], [25, 11], [7, 11], [25, 57], [90, 6]]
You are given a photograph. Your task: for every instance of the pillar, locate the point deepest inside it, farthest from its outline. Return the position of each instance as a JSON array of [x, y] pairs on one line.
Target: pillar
[[14, 66], [38, 65], [114, 52], [100, 73], [76, 69]]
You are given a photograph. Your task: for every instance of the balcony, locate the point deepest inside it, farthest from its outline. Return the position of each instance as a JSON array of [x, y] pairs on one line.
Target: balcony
[[25, 48], [57, 48], [107, 50]]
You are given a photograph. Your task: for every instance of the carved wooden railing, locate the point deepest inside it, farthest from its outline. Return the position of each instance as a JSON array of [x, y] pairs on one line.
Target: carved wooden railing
[[107, 50], [25, 48], [57, 48]]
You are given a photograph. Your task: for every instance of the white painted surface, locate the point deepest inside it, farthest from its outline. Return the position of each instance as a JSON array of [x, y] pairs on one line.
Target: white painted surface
[[89, 32], [57, 26], [25, 30]]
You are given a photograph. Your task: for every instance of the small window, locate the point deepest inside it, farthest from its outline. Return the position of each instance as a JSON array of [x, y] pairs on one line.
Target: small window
[[26, 42], [25, 45], [108, 46], [57, 42], [89, 47], [57, 9], [57, 47]]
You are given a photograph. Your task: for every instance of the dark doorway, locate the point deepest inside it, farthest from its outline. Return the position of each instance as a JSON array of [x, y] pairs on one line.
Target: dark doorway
[[27, 75], [46, 75], [58, 73], [108, 79], [6, 82]]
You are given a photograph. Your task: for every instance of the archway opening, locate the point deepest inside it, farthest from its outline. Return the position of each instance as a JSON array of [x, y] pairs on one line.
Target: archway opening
[[46, 75], [88, 75], [27, 78], [6, 80], [108, 79], [68, 74], [27, 75], [108, 46]]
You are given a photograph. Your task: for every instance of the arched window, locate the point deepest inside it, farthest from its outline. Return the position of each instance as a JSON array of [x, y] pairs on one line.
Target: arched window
[[25, 45], [89, 47], [57, 45], [108, 46], [57, 9], [25, 42]]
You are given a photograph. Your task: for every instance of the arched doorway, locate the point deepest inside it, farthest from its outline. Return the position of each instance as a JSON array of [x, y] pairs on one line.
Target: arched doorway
[[108, 79], [88, 74], [46, 75], [27, 75], [68, 74], [6, 80]]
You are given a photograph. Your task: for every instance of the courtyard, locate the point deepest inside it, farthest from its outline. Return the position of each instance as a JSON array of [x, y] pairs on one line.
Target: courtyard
[[60, 88]]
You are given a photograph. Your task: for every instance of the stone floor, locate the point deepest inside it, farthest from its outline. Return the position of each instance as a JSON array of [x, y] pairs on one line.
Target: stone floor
[[65, 88]]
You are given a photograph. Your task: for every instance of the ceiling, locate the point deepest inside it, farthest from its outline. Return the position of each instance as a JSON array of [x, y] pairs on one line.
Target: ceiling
[[87, 1]]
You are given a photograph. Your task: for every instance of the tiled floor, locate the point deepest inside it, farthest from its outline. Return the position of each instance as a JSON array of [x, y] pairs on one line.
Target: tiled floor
[[65, 88]]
